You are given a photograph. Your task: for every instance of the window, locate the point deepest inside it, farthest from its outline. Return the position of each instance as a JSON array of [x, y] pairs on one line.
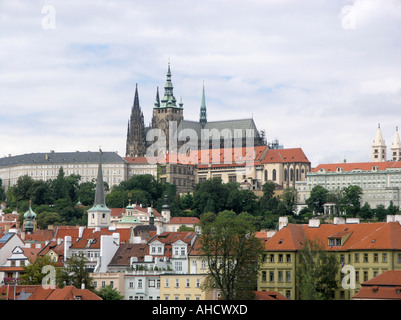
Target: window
[[280, 276], [384, 257], [139, 283], [167, 283], [288, 276], [264, 276], [288, 258], [188, 283], [271, 257], [271, 276], [198, 283], [177, 283], [365, 257], [203, 264], [131, 284], [280, 258], [356, 257], [376, 257]]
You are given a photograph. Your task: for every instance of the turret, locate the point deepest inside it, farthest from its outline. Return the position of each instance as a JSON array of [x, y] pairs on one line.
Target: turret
[[396, 147], [379, 149]]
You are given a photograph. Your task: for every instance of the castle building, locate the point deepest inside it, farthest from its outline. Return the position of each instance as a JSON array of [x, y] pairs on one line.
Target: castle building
[[379, 148], [168, 116]]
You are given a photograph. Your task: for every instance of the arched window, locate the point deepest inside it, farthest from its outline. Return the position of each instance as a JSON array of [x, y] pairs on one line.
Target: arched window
[[265, 175], [285, 175], [274, 175]]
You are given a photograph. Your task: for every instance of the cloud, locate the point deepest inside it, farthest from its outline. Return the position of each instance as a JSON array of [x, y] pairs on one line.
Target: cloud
[[292, 65]]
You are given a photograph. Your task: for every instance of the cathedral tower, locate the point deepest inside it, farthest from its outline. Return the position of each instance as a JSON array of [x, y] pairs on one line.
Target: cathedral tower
[[136, 140], [166, 110], [379, 149]]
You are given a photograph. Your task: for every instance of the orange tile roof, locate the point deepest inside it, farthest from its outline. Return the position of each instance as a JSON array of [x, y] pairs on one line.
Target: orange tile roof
[[66, 293], [363, 236], [90, 234], [364, 166], [285, 156], [269, 295], [184, 220], [386, 286]]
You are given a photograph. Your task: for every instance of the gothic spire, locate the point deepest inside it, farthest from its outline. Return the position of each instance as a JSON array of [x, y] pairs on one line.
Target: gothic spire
[[203, 118], [157, 101], [136, 99], [99, 195], [168, 98]]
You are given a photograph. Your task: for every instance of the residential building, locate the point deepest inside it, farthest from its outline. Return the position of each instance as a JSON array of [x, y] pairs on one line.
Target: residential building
[[14, 267], [369, 248], [385, 286], [174, 286]]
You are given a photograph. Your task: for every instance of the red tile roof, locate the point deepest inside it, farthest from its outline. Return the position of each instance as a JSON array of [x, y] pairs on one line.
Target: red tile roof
[[386, 286], [363, 236], [269, 295], [67, 293], [285, 156], [364, 166], [184, 220]]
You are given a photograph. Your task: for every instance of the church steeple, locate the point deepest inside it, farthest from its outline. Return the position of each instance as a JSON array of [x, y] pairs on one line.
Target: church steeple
[[379, 148], [396, 147], [203, 117], [168, 100], [99, 214]]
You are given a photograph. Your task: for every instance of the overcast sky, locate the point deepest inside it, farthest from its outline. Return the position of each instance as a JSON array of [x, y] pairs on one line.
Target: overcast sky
[[316, 74]]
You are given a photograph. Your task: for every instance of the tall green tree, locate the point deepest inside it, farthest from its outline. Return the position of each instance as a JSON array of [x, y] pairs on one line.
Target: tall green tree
[[75, 273], [109, 293], [33, 272], [317, 198], [317, 272], [232, 251], [351, 200]]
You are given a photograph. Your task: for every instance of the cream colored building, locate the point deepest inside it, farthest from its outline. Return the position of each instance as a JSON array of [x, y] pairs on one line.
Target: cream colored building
[[114, 279], [252, 169], [46, 166], [183, 287]]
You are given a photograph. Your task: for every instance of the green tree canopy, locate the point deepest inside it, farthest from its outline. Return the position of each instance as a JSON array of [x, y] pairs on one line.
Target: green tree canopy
[[232, 251]]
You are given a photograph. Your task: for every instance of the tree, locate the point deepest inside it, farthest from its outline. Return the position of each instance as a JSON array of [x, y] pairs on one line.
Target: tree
[[317, 272], [210, 195], [317, 198], [75, 273], [109, 293], [232, 251], [33, 272], [351, 200], [288, 200], [366, 212]]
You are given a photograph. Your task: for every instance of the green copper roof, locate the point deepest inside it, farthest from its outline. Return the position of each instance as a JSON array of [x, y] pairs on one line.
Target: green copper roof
[[168, 100], [129, 219]]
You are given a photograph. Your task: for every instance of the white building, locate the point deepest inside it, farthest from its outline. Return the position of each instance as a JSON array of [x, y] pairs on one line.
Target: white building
[[46, 166], [380, 181]]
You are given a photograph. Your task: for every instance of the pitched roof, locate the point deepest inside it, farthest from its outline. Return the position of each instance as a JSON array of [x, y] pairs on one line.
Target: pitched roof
[[126, 251], [386, 286], [364, 166], [269, 295], [284, 156], [362, 236], [184, 220], [66, 293], [91, 238]]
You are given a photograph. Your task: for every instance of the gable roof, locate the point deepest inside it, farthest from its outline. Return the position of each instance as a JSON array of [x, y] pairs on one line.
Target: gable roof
[[126, 251], [362, 236], [364, 166], [66, 293], [284, 156]]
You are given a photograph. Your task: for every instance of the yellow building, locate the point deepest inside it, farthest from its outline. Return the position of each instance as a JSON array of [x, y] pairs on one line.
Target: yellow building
[[363, 251], [183, 287]]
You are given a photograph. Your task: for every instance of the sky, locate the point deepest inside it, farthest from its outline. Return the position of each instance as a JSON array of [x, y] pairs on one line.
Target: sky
[[316, 74]]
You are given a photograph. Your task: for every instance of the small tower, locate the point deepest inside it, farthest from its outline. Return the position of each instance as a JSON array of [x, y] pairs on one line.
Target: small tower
[[379, 149], [396, 147], [29, 220], [166, 210], [99, 215], [202, 116]]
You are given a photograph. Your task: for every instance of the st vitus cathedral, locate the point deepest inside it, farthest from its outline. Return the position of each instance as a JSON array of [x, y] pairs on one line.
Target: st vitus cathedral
[[167, 115]]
